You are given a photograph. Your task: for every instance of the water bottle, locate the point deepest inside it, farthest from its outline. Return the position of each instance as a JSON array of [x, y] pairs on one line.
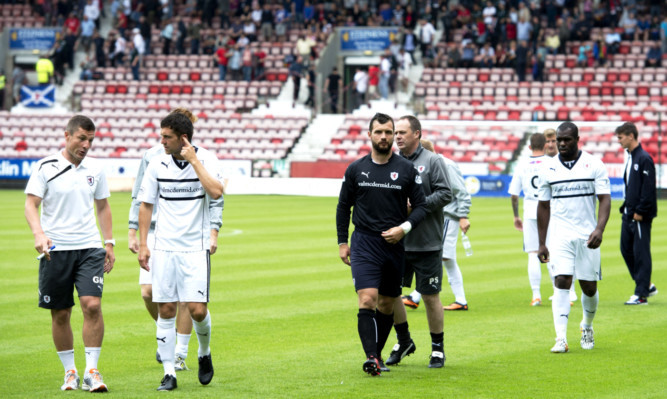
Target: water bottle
[[466, 244]]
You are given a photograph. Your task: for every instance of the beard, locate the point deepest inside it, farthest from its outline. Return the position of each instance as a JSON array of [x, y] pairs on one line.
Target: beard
[[380, 150]]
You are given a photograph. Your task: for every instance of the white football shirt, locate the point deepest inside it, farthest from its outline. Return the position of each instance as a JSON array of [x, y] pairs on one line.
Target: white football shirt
[[68, 193], [572, 188], [182, 221], [527, 179]]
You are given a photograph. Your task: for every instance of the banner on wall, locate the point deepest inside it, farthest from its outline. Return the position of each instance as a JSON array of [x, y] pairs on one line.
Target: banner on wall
[[375, 39], [41, 39]]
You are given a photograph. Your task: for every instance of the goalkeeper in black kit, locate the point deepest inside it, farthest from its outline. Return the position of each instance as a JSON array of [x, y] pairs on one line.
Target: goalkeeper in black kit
[[379, 186]]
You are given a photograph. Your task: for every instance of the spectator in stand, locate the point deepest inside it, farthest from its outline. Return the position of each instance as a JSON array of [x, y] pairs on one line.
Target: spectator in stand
[[92, 11], [234, 63], [181, 35], [385, 73], [87, 69], [489, 12], [373, 81], [360, 87], [663, 34], [134, 60], [582, 29], [510, 29], [256, 13], [463, 16], [121, 21], [654, 29], [523, 29], [139, 43], [282, 19], [643, 27], [258, 60], [120, 48], [310, 75], [487, 56], [613, 42], [249, 29], [453, 56], [220, 58], [629, 24], [194, 31], [267, 21], [409, 43], [501, 56], [246, 60], [235, 28], [308, 12], [654, 57], [409, 18], [405, 65], [428, 58], [296, 71], [552, 43], [426, 35], [397, 15], [564, 26], [167, 34], [18, 80], [87, 29], [582, 57], [523, 12], [333, 85], [522, 57], [599, 53], [145, 30], [44, 69], [59, 57], [468, 54]]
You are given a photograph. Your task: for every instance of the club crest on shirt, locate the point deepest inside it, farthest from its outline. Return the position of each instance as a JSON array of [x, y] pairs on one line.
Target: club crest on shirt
[[418, 179], [90, 180], [393, 175], [636, 166], [47, 299], [421, 168]]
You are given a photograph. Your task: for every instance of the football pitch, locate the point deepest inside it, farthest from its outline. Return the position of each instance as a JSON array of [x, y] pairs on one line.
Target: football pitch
[[284, 318]]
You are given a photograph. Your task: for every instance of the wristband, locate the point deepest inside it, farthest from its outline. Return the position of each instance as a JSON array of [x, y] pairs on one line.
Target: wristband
[[406, 226], [110, 241]]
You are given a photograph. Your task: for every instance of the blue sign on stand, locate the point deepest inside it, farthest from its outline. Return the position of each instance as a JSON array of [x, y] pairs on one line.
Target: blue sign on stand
[[41, 39], [373, 39]]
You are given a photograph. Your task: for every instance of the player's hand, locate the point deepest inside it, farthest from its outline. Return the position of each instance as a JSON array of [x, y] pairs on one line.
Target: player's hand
[[595, 239], [464, 225], [344, 253], [637, 217], [132, 242], [543, 254], [109, 259], [42, 245], [188, 151], [393, 235], [518, 224], [144, 256], [214, 241]]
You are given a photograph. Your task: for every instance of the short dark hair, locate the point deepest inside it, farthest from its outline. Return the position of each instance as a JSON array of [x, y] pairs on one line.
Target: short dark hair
[[381, 119], [80, 121], [415, 125], [569, 126], [179, 124], [537, 141], [628, 128]]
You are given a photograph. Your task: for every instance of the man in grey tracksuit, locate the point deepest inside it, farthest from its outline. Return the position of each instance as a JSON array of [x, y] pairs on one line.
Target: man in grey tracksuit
[[456, 216], [423, 247]]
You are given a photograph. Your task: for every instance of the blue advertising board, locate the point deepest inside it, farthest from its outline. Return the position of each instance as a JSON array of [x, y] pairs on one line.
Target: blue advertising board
[[41, 39], [374, 39], [16, 169]]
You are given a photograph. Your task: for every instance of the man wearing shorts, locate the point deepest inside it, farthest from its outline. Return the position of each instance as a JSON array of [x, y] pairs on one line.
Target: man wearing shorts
[[423, 247], [66, 185], [378, 186], [526, 179], [570, 183], [181, 183], [183, 320], [456, 217]]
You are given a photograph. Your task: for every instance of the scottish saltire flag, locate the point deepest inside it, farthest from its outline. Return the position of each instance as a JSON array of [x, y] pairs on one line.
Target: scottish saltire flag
[[38, 96]]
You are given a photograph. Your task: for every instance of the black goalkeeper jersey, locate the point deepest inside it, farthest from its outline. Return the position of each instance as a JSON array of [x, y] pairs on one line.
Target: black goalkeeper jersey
[[379, 195]]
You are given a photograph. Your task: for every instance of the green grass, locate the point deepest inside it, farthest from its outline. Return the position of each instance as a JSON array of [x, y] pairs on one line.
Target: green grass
[[284, 317]]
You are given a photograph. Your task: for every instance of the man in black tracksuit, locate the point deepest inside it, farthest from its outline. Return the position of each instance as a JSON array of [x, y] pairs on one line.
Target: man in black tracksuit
[[638, 210], [378, 186]]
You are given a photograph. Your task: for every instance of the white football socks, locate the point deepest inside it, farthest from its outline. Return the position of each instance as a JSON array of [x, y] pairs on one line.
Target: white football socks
[[166, 335], [67, 359], [534, 274], [92, 356], [182, 341], [455, 280], [590, 306], [560, 306], [203, 330]]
